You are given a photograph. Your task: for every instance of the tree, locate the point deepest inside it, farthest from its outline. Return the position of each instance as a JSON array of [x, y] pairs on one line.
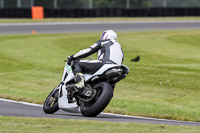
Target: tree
[[109, 3], [122, 3], [10, 3], [140, 3], [71, 3]]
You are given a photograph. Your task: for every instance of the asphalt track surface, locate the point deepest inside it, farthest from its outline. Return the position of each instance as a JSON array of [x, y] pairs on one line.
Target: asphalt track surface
[[13, 108], [22, 109], [77, 27]]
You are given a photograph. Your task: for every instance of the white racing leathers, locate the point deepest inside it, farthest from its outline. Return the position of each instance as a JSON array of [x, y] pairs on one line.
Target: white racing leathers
[[108, 52]]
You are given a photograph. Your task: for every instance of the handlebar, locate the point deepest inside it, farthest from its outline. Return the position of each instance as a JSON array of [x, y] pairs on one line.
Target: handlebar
[[71, 63]]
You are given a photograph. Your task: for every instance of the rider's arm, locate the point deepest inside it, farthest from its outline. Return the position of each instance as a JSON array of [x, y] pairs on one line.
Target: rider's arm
[[87, 52]]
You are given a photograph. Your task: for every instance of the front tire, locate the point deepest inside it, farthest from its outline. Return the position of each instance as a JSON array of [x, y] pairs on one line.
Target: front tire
[[51, 103], [99, 102]]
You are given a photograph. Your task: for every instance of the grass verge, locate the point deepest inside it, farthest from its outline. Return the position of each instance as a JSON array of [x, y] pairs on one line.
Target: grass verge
[[164, 84], [44, 125], [98, 19]]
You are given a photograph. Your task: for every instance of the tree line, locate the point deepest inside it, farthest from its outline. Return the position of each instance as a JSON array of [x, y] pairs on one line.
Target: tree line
[[103, 3]]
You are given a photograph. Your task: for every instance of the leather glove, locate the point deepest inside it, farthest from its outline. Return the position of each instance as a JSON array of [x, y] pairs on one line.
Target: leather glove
[[70, 58]]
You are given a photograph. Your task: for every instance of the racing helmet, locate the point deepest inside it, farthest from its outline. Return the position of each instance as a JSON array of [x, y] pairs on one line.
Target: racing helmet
[[108, 34]]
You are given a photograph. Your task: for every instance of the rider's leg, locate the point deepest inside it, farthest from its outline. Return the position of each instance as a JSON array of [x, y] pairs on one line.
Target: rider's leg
[[80, 80], [87, 66], [79, 77]]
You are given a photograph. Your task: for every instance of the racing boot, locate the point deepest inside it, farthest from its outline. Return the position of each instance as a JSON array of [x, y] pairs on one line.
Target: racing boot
[[80, 81]]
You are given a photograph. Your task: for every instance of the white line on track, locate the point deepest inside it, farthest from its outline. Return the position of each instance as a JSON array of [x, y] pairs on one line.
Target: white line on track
[[100, 22], [25, 103], [137, 117]]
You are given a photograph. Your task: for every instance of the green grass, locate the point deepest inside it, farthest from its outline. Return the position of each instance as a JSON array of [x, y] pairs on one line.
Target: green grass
[[164, 84], [101, 19], [43, 125]]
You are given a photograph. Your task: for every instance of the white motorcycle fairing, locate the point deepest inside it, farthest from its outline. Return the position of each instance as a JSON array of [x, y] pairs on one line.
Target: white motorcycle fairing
[[62, 96], [68, 76]]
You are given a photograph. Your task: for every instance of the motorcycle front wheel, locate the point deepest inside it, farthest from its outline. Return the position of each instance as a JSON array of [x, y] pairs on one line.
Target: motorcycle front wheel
[[99, 102], [51, 103]]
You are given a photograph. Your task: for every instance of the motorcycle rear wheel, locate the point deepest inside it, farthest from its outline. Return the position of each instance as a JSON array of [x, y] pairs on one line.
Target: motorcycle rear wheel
[[99, 102], [50, 105]]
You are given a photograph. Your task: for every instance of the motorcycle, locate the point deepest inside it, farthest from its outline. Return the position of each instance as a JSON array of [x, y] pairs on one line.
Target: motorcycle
[[94, 97]]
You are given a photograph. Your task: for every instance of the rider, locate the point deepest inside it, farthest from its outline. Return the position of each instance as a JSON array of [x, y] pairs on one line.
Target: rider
[[108, 52]]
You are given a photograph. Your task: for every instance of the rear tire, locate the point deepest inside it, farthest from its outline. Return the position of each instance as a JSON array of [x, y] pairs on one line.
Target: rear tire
[[51, 103], [99, 102]]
